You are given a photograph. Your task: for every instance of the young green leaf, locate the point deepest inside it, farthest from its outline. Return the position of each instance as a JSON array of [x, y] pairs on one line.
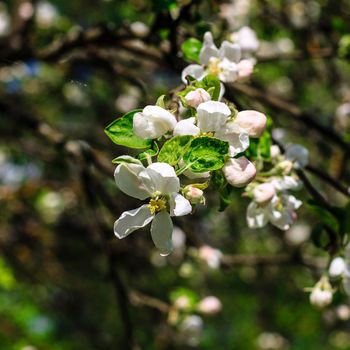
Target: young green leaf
[[121, 132], [174, 149], [126, 159], [191, 49], [206, 154], [211, 83]]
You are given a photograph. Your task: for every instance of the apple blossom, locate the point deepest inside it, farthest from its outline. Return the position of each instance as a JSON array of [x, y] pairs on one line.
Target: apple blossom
[[209, 305], [322, 294], [153, 122], [246, 38], [196, 97], [263, 193], [194, 195], [159, 183], [279, 211], [239, 171], [338, 267], [252, 121]]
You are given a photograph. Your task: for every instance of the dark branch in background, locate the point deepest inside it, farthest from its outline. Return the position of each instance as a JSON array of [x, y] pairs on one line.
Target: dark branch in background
[[290, 109]]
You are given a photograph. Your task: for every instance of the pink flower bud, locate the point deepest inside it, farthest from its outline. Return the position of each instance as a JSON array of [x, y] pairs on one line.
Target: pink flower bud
[[239, 172], [245, 68], [252, 121], [209, 305], [196, 97], [194, 195], [263, 193]]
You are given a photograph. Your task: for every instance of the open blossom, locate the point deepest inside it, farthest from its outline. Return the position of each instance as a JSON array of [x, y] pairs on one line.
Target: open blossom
[[223, 62], [239, 172], [153, 122], [159, 183], [279, 211]]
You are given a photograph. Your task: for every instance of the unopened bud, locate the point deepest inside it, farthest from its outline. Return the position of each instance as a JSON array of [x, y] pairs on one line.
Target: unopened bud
[[209, 305], [196, 97], [275, 151], [252, 121], [286, 166], [245, 68], [194, 195], [322, 294], [263, 193], [239, 172], [337, 267]]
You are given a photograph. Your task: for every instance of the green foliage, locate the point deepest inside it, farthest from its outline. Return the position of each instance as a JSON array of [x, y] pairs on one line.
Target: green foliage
[[121, 132], [126, 160], [344, 46], [174, 149], [191, 49], [206, 154], [211, 83]]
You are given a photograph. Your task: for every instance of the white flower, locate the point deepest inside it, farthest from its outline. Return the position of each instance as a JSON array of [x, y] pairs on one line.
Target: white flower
[[223, 62], [159, 182], [264, 192], [186, 127], [297, 154], [153, 122], [211, 256], [322, 294], [286, 183], [246, 38], [196, 97], [252, 121], [213, 117], [209, 305], [338, 267], [239, 172], [280, 212]]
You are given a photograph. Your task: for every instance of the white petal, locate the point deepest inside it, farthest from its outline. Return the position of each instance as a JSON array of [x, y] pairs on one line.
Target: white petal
[[128, 180], [230, 51], [256, 216], [236, 136], [153, 122], [228, 71], [194, 70], [291, 202], [212, 115], [286, 183], [254, 122], [239, 172], [161, 232], [208, 50], [186, 127], [246, 39], [132, 220], [179, 205], [160, 177], [283, 220], [337, 267]]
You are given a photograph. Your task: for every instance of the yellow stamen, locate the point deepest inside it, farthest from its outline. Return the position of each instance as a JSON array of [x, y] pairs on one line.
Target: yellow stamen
[[156, 205], [213, 66]]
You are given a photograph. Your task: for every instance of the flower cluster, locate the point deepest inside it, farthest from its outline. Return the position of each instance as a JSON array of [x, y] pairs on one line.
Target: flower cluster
[[225, 62], [271, 201], [205, 141]]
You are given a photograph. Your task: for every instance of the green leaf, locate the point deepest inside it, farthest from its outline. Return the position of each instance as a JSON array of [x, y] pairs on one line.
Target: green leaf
[[206, 154], [149, 153], [121, 132], [174, 149], [211, 83], [319, 236], [126, 159], [344, 46], [264, 145], [191, 49]]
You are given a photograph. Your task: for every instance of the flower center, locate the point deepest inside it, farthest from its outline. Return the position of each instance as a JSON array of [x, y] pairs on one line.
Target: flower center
[[156, 205], [213, 66]]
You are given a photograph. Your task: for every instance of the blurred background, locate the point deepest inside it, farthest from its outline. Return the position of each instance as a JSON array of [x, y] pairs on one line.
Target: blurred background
[[69, 68]]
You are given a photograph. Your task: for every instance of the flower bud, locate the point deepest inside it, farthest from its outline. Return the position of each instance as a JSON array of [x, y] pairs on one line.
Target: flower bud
[[252, 121], [209, 305], [196, 97], [194, 195], [275, 151], [245, 68], [321, 298], [263, 193], [322, 294], [337, 267], [286, 166], [239, 172]]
